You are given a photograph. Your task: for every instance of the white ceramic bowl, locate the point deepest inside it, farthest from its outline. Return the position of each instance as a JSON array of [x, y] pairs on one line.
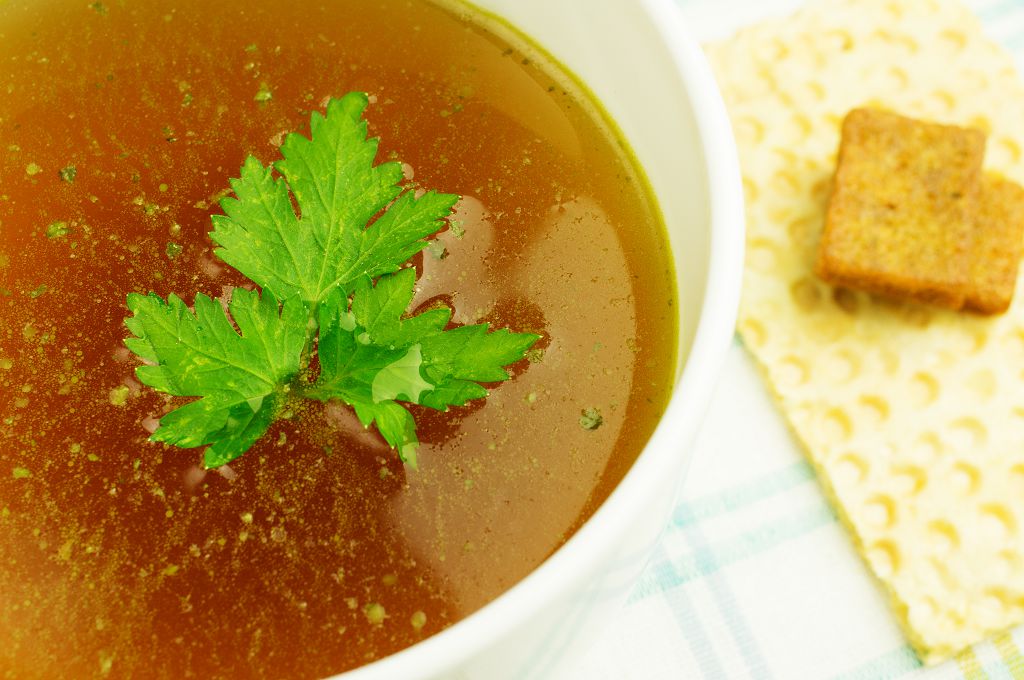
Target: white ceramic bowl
[[637, 58]]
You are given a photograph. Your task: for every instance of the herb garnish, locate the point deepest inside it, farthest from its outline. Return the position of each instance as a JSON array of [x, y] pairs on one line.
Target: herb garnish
[[335, 286]]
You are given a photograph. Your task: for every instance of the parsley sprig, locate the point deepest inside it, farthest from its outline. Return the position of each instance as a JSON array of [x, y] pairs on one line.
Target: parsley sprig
[[335, 288]]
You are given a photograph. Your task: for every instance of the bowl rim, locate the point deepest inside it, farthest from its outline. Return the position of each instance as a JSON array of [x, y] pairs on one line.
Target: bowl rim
[[714, 331]]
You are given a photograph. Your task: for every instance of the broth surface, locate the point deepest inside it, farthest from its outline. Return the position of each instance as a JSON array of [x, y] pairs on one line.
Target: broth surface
[[316, 551]]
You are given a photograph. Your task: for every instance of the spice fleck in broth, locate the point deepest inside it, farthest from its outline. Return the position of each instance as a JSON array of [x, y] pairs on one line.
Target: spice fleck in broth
[[318, 551]]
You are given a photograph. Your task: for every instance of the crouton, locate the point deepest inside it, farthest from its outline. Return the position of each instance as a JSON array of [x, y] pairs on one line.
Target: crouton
[[901, 212], [996, 246]]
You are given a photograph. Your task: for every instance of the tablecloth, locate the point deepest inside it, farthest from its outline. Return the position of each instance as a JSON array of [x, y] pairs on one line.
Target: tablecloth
[[754, 576]]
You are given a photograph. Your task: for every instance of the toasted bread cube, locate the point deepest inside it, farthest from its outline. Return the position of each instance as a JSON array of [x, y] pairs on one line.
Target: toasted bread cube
[[900, 216], [996, 248]]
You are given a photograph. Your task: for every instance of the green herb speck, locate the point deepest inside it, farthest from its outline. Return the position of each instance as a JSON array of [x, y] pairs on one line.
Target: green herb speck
[[375, 613], [534, 355], [68, 174], [418, 620], [57, 229], [264, 94], [33, 169], [38, 291], [119, 395], [173, 250], [590, 419], [21, 473]]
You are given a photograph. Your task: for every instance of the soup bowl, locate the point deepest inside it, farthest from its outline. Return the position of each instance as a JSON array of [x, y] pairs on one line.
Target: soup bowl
[[637, 59]]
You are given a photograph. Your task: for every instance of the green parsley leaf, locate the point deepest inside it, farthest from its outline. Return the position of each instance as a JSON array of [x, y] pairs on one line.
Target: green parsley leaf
[[339, 191], [371, 357], [239, 377], [334, 290]]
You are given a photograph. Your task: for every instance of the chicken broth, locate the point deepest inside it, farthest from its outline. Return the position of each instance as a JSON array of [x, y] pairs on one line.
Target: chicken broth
[[317, 551]]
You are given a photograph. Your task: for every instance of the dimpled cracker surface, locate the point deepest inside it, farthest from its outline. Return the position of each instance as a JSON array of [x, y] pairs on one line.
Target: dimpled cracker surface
[[914, 416]]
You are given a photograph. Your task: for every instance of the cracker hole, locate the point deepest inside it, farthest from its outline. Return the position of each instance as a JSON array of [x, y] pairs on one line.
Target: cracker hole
[[836, 425], [953, 618], [749, 130], [850, 470], [838, 39], [890, 361], [840, 366], [943, 100], [956, 39], [927, 447], [804, 231], [846, 300], [792, 372], [750, 190], [1005, 566], [982, 123], [898, 76], [978, 80], [895, 9], [1010, 147], [991, 608], [942, 537], [978, 340], [818, 92], [770, 50], [897, 39], [763, 255], [821, 190], [884, 558], [1016, 480], [965, 478], [785, 182], [924, 389], [766, 75], [997, 521], [1006, 602], [779, 213], [983, 383], [876, 103], [753, 332], [880, 511], [912, 314], [968, 433], [1013, 340], [806, 293], [804, 126], [908, 480], [875, 408], [924, 609]]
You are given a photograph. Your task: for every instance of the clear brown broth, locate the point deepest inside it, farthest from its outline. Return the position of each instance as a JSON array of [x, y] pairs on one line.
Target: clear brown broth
[[120, 557]]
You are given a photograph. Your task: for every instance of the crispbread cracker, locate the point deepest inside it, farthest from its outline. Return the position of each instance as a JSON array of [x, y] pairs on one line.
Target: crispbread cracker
[[914, 416]]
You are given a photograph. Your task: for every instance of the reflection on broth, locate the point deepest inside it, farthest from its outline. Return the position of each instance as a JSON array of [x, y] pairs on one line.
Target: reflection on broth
[[120, 125]]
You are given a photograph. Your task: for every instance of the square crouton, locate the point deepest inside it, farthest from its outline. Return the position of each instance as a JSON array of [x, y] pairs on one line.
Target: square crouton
[[901, 213], [996, 247]]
